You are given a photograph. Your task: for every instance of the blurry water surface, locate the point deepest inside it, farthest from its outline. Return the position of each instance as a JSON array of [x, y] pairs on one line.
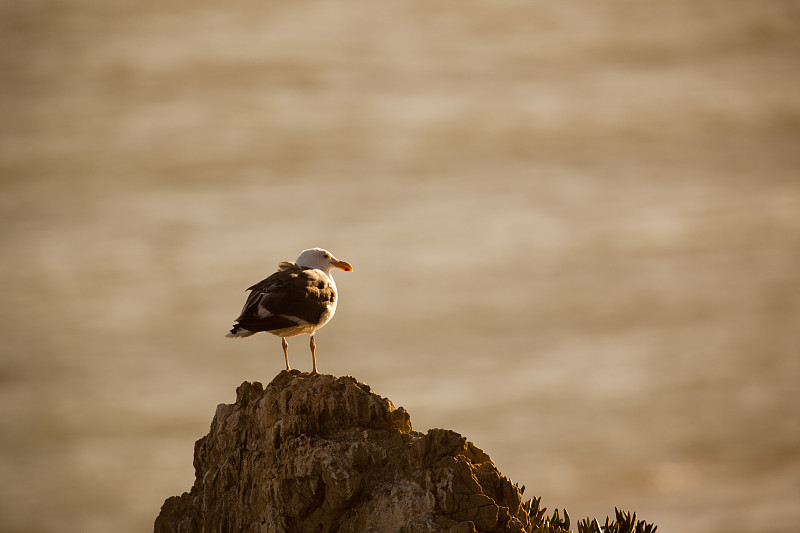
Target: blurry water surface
[[575, 229]]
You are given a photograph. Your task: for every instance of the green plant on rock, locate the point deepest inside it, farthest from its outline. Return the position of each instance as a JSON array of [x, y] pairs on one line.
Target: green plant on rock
[[624, 522]]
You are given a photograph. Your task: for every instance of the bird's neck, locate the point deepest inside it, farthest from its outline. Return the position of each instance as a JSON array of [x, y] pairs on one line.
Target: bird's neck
[[327, 272]]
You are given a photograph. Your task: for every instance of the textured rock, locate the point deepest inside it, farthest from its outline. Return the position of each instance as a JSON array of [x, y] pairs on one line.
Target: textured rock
[[321, 454]]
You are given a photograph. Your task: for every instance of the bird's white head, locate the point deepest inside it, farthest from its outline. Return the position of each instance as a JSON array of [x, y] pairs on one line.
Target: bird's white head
[[322, 260]]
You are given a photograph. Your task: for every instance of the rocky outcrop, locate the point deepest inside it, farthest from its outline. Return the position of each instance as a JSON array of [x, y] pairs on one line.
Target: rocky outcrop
[[325, 454]]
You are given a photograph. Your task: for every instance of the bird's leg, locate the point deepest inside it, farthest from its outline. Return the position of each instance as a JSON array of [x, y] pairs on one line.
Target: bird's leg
[[285, 352], [313, 356]]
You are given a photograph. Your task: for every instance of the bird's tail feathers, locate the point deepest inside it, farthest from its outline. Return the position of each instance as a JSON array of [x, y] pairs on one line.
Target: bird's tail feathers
[[239, 331]]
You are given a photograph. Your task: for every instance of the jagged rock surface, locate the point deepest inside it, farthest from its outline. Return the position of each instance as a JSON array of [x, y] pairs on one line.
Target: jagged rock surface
[[321, 454]]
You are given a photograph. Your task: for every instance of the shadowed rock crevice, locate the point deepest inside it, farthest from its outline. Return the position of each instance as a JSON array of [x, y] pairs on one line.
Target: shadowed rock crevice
[[321, 454]]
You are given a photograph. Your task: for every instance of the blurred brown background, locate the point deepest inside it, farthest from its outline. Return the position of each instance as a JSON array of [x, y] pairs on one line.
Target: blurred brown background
[[575, 228]]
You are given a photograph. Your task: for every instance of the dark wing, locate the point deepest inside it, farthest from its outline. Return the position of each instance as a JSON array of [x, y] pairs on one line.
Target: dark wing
[[291, 293], [277, 279]]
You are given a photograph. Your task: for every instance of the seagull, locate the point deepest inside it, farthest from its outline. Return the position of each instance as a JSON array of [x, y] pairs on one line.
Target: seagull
[[298, 299]]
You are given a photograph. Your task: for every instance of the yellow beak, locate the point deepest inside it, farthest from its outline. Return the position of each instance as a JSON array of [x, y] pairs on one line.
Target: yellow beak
[[344, 265]]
